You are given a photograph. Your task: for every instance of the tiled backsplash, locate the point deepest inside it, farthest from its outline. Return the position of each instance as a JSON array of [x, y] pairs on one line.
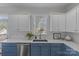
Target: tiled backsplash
[[75, 36], [21, 35]]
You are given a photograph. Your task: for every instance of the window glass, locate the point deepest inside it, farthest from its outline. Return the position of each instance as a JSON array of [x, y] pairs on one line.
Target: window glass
[[3, 27], [40, 24]]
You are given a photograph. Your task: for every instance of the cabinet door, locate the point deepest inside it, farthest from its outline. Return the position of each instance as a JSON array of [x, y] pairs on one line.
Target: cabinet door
[[57, 23], [57, 49], [35, 50], [71, 21], [54, 23], [40, 49], [61, 23], [78, 19], [19, 23], [70, 52], [9, 49], [51, 23], [45, 50], [23, 22], [12, 23]]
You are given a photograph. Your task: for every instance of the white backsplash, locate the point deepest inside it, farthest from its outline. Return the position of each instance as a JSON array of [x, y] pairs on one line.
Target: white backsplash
[[75, 37], [17, 35], [49, 36], [22, 35]]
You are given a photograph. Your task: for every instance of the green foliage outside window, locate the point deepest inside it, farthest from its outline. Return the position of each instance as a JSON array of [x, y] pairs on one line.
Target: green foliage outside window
[[3, 24]]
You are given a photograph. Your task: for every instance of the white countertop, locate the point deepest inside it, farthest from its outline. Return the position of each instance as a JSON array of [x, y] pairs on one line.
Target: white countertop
[[71, 44]]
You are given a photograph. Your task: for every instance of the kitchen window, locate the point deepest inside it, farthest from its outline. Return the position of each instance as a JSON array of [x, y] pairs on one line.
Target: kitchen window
[[3, 27], [41, 24]]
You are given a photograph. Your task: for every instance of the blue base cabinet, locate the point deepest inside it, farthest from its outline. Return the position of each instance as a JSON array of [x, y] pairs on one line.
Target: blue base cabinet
[[9, 49], [52, 49], [40, 49], [57, 49], [35, 50], [70, 52], [47, 49]]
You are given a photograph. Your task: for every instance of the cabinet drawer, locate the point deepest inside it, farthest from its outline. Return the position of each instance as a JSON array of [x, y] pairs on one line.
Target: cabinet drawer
[[46, 44], [40, 44], [9, 44], [57, 44], [36, 44], [56, 51]]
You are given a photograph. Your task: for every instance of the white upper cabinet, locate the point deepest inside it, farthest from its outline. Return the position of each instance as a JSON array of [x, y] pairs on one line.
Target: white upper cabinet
[[19, 22], [53, 23], [61, 23], [78, 19], [23, 22], [57, 23], [71, 21], [12, 23]]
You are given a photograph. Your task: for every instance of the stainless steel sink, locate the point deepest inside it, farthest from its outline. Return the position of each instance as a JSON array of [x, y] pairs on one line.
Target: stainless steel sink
[[40, 40]]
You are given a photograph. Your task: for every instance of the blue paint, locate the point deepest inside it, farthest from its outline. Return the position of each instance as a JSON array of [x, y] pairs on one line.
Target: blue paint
[[70, 52], [52, 49], [41, 49], [35, 51], [9, 49], [45, 50]]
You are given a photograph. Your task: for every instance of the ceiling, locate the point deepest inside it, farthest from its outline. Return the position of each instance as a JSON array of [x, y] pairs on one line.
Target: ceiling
[[10, 8]]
